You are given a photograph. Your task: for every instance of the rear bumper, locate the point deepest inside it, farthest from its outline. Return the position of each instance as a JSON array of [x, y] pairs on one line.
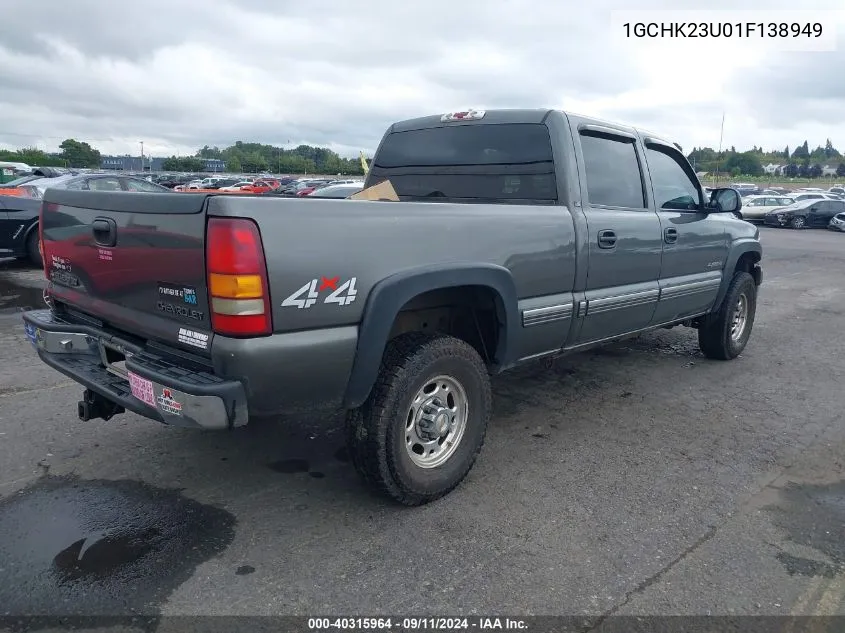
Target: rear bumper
[[173, 394]]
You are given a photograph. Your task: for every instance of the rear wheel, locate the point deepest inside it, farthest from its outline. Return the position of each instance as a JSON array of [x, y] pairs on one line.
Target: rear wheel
[[724, 334], [33, 251], [421, 429], [797, 222]]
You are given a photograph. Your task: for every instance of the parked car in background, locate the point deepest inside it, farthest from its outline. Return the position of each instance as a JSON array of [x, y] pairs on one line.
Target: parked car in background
[[223, 182], [755, 208], [806, 214], [262, 186], [337, 191], [295, 187], [745, 188], [236, 186], [837, 222], [19, 228], [837, 189], [800, 196]]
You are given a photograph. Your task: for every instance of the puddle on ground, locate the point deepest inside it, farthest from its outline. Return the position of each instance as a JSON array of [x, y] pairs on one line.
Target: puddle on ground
[[92, 547], [16, 297], [813, 516]]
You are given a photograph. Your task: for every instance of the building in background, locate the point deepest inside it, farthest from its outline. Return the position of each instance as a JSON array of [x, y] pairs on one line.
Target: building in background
[[150, 163]]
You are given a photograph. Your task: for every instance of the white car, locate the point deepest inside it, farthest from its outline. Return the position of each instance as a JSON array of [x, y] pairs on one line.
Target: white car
[[237, 186], [755, 208], [800, 195]]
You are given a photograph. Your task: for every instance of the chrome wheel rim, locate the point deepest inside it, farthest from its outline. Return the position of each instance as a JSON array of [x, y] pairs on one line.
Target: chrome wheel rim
[[798, 223], [740, 318], [436, 421]]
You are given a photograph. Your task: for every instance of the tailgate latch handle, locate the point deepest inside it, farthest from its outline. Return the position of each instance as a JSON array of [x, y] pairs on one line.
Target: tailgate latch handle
[[104, 231]]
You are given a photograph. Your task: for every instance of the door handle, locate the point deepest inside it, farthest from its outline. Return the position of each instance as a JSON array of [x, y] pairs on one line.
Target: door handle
[[670, 235], [607, 239], [104, 231]]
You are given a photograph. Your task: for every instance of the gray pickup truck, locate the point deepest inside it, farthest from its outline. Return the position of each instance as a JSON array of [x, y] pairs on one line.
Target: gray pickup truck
[[518, 234]]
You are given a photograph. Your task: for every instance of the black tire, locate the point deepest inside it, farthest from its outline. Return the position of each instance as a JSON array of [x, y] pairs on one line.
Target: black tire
[[376, 432], [33, 252], [798, 223], [716, 334]]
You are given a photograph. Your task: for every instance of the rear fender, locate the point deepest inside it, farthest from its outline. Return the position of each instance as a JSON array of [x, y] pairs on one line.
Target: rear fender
[[389, 296]]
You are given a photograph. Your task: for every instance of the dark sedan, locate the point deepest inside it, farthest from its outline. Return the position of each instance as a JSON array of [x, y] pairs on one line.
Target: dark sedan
[[19, 228], [806, 214]]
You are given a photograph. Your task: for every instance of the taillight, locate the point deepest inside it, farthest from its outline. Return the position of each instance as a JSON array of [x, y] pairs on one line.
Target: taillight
[[237, 278]]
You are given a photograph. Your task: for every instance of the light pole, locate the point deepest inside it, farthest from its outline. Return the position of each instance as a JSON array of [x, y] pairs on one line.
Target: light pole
[[142, 155]]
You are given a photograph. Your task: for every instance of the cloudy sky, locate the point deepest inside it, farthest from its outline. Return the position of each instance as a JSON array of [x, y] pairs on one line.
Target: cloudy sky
[[178, 74]]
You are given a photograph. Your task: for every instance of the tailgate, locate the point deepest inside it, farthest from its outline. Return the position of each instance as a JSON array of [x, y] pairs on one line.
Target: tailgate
[[135, 261]]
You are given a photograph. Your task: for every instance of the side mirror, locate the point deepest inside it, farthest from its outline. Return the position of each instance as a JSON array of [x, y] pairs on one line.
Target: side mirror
[[724, 200]]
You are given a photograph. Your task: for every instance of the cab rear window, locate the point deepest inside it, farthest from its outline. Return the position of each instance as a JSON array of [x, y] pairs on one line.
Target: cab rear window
[[476, 161]]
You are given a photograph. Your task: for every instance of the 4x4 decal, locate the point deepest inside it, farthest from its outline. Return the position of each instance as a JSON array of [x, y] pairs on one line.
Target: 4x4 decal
[[306, 296]]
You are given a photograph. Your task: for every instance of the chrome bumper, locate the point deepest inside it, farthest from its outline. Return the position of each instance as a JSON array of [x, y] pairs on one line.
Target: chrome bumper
[[160, 390]]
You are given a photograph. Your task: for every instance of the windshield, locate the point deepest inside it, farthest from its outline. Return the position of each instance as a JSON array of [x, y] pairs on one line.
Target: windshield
[[489, 162]]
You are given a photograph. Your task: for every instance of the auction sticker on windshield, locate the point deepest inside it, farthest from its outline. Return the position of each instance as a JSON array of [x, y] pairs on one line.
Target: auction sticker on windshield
[[142, 389]]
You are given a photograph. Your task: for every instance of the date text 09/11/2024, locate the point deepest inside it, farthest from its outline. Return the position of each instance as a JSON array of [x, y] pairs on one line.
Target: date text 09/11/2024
[[417, 624], [747, 30]]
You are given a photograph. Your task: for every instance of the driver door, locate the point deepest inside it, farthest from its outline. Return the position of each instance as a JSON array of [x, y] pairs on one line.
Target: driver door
[[694, 242]]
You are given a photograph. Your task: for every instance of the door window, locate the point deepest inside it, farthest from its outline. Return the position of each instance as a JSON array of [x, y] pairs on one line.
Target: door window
[[673, 186], [613, 171]]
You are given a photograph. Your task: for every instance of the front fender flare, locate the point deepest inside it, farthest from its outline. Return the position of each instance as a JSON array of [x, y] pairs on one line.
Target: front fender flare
[[738, 249], [389, 295]]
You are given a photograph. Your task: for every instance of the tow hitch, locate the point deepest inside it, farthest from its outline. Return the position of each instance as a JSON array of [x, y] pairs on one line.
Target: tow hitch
[[94, 406]]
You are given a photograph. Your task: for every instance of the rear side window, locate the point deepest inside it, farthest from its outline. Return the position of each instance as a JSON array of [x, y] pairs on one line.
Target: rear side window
[[612, 171], [480, 161]]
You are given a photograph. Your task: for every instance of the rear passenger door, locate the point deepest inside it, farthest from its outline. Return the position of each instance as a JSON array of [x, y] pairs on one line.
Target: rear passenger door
[[694, 243], [624, 244]]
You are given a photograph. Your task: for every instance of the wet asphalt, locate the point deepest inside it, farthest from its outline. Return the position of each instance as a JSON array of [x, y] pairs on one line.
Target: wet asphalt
[[641, 479]]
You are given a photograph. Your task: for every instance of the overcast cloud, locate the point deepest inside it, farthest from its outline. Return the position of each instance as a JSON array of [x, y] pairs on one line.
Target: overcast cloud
[[179, 74]]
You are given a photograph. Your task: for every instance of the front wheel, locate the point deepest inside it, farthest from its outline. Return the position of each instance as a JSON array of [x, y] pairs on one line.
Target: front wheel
[[797, 223], [725, 333], [421, 430]]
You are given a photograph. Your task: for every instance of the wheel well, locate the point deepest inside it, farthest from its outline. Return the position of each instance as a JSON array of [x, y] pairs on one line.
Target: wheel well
[[474, 314], [747, 263]]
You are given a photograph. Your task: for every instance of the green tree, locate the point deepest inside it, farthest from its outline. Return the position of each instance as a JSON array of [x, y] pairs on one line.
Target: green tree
[[209, 152], [31, 156], [786, 152], [815, 171], [79, 154], [802, 151], [840, 171], [183, 163], [747, 163], [234, 165]]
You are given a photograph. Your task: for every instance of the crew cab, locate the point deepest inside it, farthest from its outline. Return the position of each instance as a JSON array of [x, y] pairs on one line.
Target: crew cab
[[513, 235]]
